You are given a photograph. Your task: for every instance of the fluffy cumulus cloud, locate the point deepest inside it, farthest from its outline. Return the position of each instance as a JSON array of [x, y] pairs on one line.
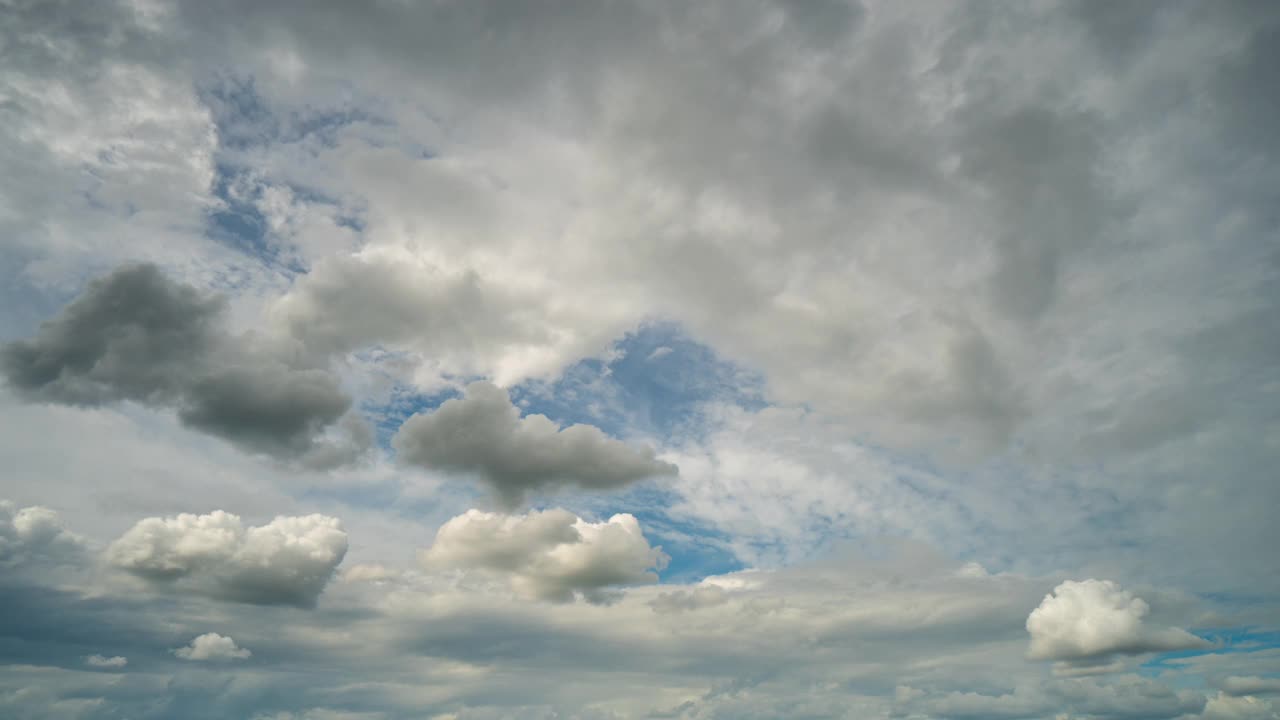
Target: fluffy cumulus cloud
[[212, 647], [483, 434], [137, 335], [287, 561], [548, 555], [1085, 622], [34, 535]]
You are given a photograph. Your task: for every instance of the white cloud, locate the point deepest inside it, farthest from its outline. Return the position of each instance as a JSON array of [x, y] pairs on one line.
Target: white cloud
[[1228, 707], [1085, 622], [101, 661], [483, 434], [286, 561], [34, 535], [549, 555], [212, 646]]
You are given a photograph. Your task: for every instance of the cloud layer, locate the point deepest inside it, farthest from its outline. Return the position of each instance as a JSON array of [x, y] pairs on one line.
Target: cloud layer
[[945, 311]]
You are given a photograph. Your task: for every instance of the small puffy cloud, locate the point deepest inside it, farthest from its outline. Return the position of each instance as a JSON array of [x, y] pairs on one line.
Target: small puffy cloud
[[33, 535], [1083, 623], [285, 562], [483, 434], [1228, 707], [101, 661], [137, 335], [1250, 685], [548, 555], [212, 646]]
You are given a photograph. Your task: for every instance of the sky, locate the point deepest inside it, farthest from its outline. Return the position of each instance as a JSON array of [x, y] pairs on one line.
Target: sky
[[705, 360]]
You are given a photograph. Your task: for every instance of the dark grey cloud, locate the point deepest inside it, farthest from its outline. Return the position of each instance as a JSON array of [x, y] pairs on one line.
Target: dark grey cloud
[[134, 334], [131, 335], [483, 434]]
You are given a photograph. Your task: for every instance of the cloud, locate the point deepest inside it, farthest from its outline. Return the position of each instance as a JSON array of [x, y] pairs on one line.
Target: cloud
[[1127, 696], [1083, 623], [1038, 238], [369, 572], [689, 600], [285, 562], [549, 555], [1250, 685], [134, 334], [100, 661], [482, 434], [455, 322], [1227, 707], [34, 536], [212, 646]]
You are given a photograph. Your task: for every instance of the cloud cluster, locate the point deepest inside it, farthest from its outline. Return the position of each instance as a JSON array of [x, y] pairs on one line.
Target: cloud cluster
[[483, 434], [285, 562], [212, 646], [134, 334], [549, 555], [1083, 623], [34, 536]]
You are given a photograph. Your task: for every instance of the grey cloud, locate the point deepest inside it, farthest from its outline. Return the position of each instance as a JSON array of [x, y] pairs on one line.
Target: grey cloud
[[136, 335], [688, 600], [349, 303], [1125, 698], [268, 409], [1250, 685], [132, 334], [483, 434]]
